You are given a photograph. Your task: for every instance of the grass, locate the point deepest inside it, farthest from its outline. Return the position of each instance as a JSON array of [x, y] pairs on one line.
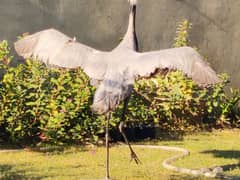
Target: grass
[[207, 150]]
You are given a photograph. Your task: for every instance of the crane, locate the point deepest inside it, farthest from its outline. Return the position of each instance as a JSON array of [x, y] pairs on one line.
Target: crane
[[114, 72]]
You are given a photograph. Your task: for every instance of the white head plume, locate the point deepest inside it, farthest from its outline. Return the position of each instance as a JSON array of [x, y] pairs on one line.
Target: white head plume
[[133, 2]]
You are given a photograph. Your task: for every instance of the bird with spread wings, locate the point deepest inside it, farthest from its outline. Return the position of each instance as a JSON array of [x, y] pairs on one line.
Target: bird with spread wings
[[114, 72]]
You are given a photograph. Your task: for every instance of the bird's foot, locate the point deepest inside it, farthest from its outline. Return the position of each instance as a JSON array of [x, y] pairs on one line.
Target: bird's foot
[[107, 178], [135, 157]]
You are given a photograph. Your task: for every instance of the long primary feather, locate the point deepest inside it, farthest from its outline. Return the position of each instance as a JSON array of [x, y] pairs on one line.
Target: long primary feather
[[55, 48], [185, 59]]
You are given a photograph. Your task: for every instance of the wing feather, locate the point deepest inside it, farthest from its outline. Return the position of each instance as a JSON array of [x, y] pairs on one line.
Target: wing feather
[[185, 59], [55, 48]]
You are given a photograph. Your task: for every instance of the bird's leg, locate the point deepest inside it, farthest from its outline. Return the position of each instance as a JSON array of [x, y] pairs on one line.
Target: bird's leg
[[108, 116], [121, 126], [133, 154]]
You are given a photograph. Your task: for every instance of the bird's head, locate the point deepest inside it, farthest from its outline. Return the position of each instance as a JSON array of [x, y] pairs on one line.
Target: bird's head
[[133, 2]]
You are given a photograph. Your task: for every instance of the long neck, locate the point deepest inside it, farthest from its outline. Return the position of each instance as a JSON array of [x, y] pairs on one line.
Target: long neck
[[130, 39]]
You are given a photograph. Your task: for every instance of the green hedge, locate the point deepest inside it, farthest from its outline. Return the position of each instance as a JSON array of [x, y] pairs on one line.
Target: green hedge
[[54, 105], [50, 104]]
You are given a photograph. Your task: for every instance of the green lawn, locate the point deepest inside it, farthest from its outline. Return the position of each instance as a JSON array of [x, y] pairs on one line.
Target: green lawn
[[207, 150]]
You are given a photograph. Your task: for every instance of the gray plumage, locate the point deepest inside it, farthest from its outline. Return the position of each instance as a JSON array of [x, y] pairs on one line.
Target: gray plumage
[[115, 70]]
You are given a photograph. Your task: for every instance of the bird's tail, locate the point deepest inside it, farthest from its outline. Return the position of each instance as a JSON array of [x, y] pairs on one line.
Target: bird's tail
[[113, 89], [133, 2]]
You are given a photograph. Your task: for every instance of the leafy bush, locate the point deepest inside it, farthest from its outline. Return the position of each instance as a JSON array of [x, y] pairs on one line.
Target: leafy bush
[[52, 105], [182, 34], [176, 104]]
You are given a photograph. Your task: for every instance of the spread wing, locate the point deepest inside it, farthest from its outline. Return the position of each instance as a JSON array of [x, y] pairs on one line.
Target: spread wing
[[185, 59], [55, 48]]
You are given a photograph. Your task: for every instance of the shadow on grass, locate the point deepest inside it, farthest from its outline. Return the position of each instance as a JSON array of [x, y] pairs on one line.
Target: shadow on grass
[[227, 154], [58, 149], [224, 153], [139, 134], [7, 172], [8, 146], [49, 149], [188, 177]]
